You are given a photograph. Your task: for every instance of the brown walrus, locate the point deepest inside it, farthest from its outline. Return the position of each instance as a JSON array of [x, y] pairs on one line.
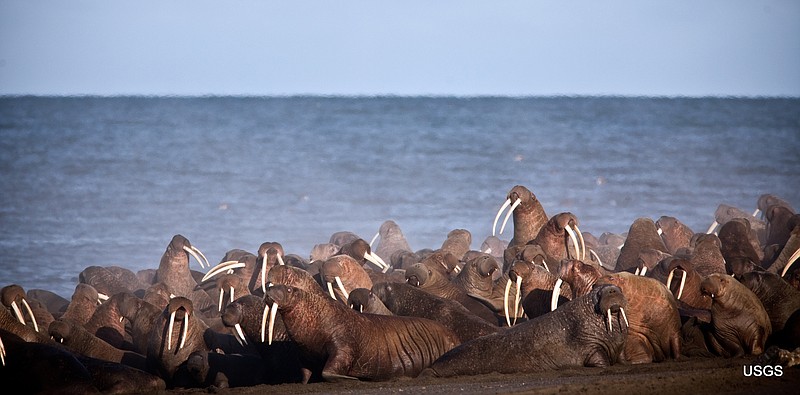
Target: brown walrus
[[739, 323], [361, 346], [654, 331], [587, 331]]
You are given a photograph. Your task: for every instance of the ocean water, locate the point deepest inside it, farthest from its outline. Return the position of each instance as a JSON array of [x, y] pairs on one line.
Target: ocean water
[[109, 181]]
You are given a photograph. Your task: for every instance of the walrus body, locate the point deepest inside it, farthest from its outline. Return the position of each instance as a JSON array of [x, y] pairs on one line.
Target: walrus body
[[588, 331], [361, 346], [740, 324]]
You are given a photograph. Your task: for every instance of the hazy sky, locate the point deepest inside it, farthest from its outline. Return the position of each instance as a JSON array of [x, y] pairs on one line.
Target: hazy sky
[[439, 47]]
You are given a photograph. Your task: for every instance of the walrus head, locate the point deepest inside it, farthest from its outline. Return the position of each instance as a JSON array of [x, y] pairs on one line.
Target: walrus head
[[13, 296], [418, 274], [179, 308], [611, 304], [181, 245], [715, 285]]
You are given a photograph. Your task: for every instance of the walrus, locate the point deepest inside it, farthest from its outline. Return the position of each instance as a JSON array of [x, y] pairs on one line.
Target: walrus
[[736, 241], [539, 290], [654, 325], [740, 324], [674, 233], [347, 273], [176, 334], [476, 279], [408, 300], [588, 331], [390, 241], [107, 324], [173, 271], [642, 234], [111, 280], [528, 214], [141, 317], [248, 317], [83, 303], [432, 280], [457, 243], [13, 297], [707, 256], [295, 277], [580, 276], [270, 254], [554, 237], [684, 282], [360, 250], [756, 228], [781, 301], [360, 346], [363, 300], [78, 339]]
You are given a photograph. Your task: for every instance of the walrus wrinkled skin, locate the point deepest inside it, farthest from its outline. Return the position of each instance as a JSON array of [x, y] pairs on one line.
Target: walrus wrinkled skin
[[361, 346], [407, 300], [654, 331], [740, 324], [588, 331], [782, 303]]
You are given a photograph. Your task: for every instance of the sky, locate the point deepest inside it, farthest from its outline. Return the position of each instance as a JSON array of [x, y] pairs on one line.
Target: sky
[[408, 47]]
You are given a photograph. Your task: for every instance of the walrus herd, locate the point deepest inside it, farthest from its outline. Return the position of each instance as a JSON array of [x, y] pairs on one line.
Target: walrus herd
[[552, 297]]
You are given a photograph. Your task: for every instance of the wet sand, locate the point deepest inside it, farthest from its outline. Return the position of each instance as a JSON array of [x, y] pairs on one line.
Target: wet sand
[[686, 376]]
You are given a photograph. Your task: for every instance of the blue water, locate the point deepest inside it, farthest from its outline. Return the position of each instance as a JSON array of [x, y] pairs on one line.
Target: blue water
[[109, 181]]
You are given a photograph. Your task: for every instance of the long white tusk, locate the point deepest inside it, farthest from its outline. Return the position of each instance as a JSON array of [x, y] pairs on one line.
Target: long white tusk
[[636, 272], [756, 212], [496, 217], [792, 259], [330, 290], [669, 278], [101, 297], [361, 308], [18, 313], [621, 310], [272, 313], [264, 323], [280, 260], [202, 255], [583, 243], [544, 263], [574, 241], [227, 265], [264, 275], [508, 214], [221, 295], [240, 333], [556, 294], [193, 252], [169, 330], [341, 288], [232, 297], [517, 299], [374, 238], [505, 302], [644, 271], [608, 312], [659, 231], [185, 330], [382, 262], [683, 282], [712, 227], [30, 312], [2, 352]]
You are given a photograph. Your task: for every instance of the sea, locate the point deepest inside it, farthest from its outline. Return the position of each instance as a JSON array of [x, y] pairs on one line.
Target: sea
[[110, 180]]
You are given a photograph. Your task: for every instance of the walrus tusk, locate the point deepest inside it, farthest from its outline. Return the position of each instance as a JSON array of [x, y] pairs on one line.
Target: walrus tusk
[[644, 271], [264, 275], [505, 302], [669, 278], [30, 313], [621, 310], [592, 253], [583, 243], [608, 313], [221, 295], [382, 262], [272, 313], [488, 250], [2, 352], [330, 290], [496, 217], [636, 272], [792, 259], [574, 241], [193, 251], [712, 227], [508, 214], [556, 294], [224, 266], [280, 260], [376, 260], [756, 212], [517, 299], [341, 287], [659, 231], [101, 297], [374, 238], [683, 282], [18, 313], [240, 334], [232, 298], [264, 323], [185, 330], [169, 330]]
